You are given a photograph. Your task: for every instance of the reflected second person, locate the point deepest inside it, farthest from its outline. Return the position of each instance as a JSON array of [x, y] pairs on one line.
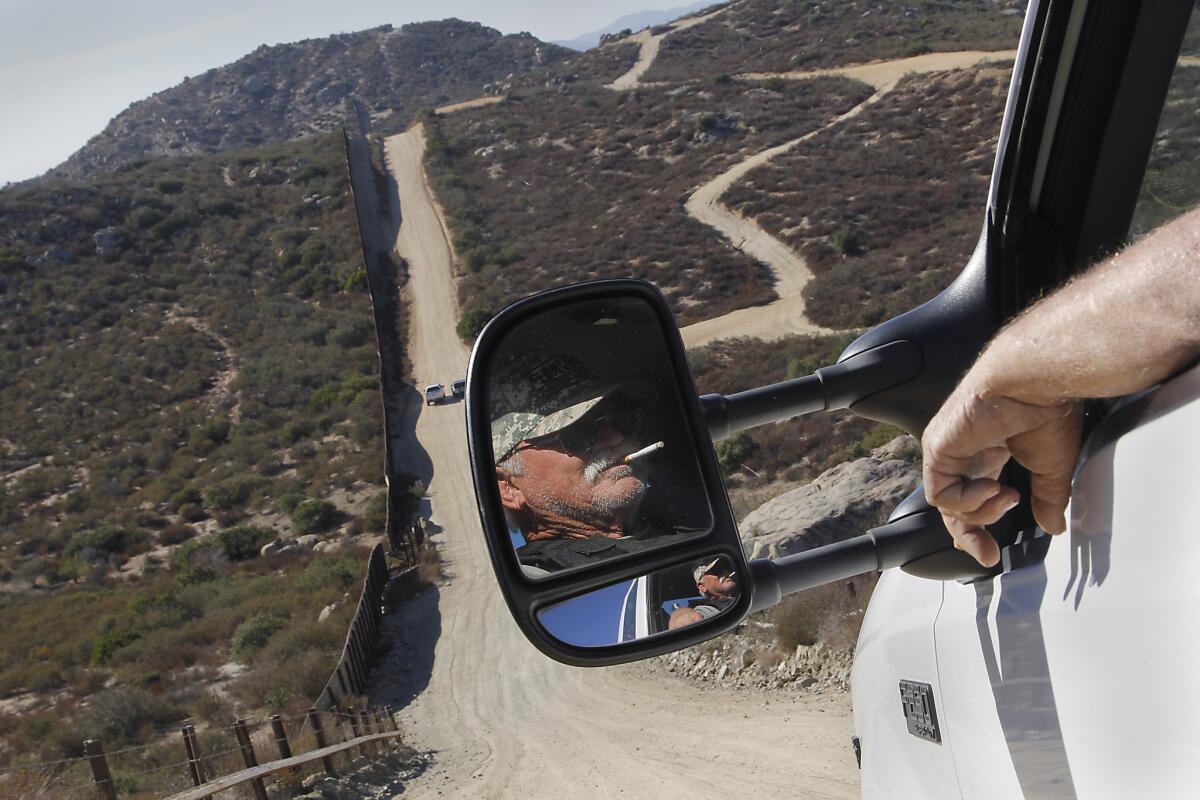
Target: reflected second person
[[561, 439]]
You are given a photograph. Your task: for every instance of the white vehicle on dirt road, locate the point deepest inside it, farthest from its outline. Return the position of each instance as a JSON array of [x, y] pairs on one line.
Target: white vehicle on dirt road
[[1067, 669], [434, 394]]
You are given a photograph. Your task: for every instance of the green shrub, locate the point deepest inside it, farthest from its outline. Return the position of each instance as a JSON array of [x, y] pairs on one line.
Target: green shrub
[[168, 185], [192, 574], [177, 533], [102, 542], [296, 430], [355, 282], [314, 516], [185, 496], [146, 217], [734, 451], [352, 334], [374, 518], [192, 512], [343, 392], [125, 713], [110, 643], [472, 323], [243, 542], [288, 501], [231, 493], [255, 632]]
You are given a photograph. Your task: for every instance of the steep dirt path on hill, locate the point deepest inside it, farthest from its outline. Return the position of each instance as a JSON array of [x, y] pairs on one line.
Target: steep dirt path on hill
[[502, 720], [650, 42], [221, 394], [787, 314]]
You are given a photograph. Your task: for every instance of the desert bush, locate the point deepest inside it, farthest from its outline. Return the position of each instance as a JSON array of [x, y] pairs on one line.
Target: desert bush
[[314, 516], [374, 517], [103, 542], [168, 185], [191, 512], [176, 533], [231, 493], [243, 542], [830, 614], [124, 713], [254, 633]]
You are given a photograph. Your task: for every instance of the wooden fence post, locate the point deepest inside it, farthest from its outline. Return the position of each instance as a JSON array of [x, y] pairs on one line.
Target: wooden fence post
[[379, 723], [369, 726], [314, 719], [243, 737], [355, 729], [100, 774], [195, 766], [391, 718], [281, 741]]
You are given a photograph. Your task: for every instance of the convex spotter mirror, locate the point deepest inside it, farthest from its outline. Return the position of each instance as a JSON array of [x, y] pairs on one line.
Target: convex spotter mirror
[[597, 484]]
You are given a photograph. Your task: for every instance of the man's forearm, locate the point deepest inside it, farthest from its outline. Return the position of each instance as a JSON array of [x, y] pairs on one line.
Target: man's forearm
[[1127, 324]]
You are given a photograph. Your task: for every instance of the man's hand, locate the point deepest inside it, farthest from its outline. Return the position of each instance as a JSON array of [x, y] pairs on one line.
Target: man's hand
[[970, 440], [1129, 323]]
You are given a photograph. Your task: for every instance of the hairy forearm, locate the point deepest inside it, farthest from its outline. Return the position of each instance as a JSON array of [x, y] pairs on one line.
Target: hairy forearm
[[1125, 325]]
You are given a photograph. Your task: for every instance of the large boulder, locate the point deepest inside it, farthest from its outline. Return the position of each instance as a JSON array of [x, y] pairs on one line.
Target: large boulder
[[841, 503]]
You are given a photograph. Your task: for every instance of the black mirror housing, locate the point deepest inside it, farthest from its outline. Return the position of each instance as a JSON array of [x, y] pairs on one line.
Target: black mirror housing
[[534, 594]]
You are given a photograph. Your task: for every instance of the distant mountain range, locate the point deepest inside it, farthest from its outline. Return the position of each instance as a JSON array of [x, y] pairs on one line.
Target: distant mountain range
[[633, 22], [378, 78]]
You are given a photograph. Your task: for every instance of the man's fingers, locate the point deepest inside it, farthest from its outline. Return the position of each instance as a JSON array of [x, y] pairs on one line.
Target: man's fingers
[[974, 541], [993, 508], [1050, 509], [964, 496]]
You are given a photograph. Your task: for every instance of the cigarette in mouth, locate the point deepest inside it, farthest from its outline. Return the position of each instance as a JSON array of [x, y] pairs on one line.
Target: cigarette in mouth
[[645, 451]]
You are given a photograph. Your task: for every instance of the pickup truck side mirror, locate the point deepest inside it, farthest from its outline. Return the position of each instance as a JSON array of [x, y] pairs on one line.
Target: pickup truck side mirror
[[601, 499]]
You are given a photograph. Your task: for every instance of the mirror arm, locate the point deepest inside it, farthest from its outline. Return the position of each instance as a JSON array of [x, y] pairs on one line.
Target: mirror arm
[[828, 389], [891, 545]]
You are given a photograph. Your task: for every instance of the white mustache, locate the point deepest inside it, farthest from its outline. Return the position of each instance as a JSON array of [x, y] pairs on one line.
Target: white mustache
[[597, 465]]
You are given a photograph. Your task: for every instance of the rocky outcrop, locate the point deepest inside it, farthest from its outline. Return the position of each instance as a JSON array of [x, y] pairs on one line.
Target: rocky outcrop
[[379, 78], [377, 777], [740, 661], [842, 502]]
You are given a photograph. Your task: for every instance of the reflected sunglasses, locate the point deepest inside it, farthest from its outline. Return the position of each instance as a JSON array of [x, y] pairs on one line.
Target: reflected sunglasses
[[580, 437]]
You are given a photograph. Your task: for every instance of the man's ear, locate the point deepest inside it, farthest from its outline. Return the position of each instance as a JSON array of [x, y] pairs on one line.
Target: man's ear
[[511, 497]]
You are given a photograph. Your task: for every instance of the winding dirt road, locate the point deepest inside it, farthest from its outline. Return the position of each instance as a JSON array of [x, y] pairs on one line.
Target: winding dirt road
[[649, 50], [501, 719], [787, 314]]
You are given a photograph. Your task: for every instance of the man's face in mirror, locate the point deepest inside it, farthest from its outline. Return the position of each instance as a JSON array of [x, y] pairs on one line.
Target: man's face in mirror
[[717, 586], [572, 483]]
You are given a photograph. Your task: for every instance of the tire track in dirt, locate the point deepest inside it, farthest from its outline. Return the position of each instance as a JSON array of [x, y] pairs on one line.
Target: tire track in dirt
[[787, 314]]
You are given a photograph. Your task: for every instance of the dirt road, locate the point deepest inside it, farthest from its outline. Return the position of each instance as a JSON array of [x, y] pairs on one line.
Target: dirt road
[[787, 315], [501, 719], [649, 43]]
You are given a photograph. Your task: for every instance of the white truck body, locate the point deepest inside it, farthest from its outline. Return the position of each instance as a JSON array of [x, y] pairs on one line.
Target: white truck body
[[1069, 676]]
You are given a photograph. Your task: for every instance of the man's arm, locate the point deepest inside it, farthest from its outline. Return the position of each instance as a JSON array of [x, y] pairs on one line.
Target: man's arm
[[1125, 325]]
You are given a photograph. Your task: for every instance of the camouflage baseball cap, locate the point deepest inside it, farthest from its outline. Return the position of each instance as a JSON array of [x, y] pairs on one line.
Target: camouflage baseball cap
[[538, 396], [703, 569]]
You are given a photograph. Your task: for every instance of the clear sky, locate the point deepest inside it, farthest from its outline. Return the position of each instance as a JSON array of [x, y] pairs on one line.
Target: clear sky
[[68, 66]]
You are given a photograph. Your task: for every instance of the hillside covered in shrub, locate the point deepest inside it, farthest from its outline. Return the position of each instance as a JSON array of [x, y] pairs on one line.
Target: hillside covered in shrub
[[186, 342], [783, 35]]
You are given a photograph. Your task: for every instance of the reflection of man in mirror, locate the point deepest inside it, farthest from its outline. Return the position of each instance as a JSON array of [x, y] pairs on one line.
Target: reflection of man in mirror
[[717, 584], [560, 440]]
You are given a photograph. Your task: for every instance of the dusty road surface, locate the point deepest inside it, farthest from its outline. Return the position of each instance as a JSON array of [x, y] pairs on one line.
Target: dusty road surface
[[502, 720]]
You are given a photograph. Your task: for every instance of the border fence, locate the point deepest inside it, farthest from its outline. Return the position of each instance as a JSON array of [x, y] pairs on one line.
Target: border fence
[[349, 679], [189, 764]]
